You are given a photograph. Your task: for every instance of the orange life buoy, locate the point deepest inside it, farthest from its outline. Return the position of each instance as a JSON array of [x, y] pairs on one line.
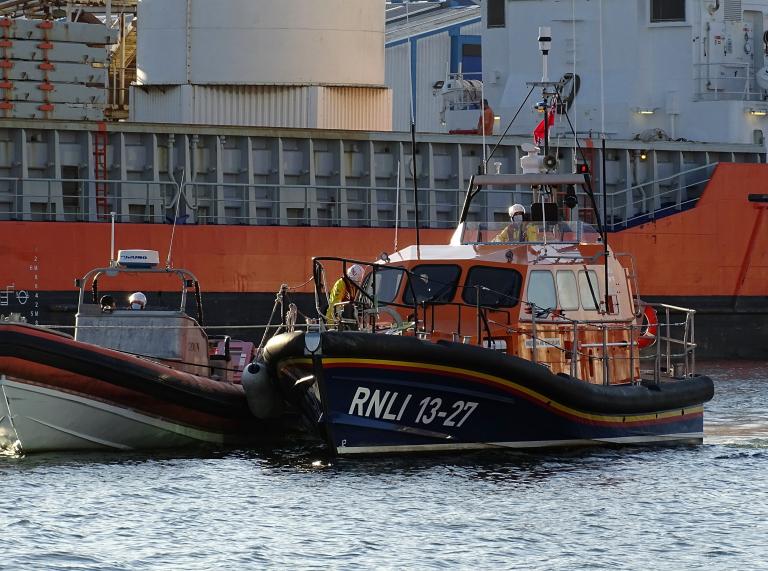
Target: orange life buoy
[[650, 328]]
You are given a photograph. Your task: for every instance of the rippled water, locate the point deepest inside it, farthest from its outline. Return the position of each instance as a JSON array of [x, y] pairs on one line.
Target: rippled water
[[640, 508]]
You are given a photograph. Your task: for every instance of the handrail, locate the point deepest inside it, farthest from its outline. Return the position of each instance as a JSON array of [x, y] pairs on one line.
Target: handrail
[[674, 353], [649, 204], [708, 166], [207, 202]]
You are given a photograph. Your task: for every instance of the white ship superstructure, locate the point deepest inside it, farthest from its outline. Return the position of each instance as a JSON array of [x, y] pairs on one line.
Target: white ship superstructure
[[687, 70]]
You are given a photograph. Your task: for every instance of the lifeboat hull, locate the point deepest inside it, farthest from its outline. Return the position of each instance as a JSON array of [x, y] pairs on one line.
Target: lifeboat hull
[[370, 394], [60, 394]]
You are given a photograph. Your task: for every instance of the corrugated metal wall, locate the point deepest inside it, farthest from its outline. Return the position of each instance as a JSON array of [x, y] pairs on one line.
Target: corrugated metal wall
[[434, 54], [351, 107], [307, 107], [155, 104], [472, 29], [262, 105], [399, 81]]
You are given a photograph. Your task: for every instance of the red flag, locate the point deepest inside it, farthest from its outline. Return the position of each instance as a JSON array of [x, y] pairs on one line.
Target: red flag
[[538, 132]]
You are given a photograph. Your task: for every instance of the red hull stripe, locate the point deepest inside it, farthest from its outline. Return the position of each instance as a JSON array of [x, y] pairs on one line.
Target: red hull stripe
[[608, 420], [95, 389]]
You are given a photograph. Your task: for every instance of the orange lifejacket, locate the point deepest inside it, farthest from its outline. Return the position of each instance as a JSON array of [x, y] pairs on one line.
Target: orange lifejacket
[[486, 121]]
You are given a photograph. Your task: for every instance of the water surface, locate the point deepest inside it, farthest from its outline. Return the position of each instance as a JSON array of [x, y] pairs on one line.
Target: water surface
[[600, 508]]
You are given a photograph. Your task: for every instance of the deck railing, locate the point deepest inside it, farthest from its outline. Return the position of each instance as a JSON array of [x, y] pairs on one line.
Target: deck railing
[[723, 81], [69, 199], [648, 201], [606, 338]]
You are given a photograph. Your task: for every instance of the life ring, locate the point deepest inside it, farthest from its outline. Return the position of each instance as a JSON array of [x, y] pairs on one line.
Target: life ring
[[650, 328]]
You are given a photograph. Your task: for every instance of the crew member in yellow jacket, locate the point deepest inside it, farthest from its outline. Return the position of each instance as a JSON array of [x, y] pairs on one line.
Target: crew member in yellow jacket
[[343, 290], [512, 231]]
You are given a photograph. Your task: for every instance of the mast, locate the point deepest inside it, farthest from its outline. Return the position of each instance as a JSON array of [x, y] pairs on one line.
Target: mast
[[605, 218], [415, 183]]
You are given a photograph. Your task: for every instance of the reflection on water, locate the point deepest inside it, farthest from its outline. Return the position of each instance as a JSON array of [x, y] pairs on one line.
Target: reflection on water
[[688, 507], [737, 414]]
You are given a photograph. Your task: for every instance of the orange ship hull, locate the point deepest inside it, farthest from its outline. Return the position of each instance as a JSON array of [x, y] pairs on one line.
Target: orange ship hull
[[713, 258]]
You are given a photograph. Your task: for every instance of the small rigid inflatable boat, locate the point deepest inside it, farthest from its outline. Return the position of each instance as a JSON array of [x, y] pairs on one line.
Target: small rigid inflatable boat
[[374, 393], [62, 394], [130, 378]]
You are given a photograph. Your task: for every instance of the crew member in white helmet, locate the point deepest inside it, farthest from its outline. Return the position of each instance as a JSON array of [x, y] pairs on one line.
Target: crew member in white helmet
[[137, 300], [343, 289], [513, 231]]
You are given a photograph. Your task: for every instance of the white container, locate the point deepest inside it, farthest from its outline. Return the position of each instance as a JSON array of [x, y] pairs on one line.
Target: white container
[[261, 42]]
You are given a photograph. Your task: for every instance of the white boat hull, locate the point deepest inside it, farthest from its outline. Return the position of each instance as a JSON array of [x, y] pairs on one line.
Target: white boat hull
[[34, 418]]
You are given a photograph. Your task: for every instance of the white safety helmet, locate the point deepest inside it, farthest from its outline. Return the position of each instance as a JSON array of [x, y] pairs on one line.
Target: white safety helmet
[[355, 273], [137, 300], [516, 209]]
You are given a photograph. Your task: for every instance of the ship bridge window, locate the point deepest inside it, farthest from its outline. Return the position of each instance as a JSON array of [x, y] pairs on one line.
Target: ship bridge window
[[388, 281], [590, 289], [667, 11], [433, 283], [500, 286], [495, 16], [541, 290], [567, 291]]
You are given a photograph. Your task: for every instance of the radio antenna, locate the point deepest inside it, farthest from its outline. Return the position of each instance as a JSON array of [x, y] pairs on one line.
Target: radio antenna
[[112, 244], [397, 203], [175, 218]]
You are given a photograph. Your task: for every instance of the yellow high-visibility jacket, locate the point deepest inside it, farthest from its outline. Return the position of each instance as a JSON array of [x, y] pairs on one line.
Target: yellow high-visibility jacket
[[339, 292]]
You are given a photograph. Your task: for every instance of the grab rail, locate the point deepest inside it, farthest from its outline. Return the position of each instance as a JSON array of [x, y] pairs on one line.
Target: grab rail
[[576, 340], [74, 199]]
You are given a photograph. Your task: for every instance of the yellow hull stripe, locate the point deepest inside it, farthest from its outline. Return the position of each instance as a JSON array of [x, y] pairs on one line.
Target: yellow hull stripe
[[691, 410]]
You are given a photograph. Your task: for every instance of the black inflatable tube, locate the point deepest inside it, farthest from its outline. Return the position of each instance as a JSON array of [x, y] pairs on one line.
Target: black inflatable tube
[[587, 397], [227, 401]]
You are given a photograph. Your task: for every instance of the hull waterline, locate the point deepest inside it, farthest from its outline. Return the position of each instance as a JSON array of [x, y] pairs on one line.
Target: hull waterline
[[40, 419], [444, 401], [60, 394]]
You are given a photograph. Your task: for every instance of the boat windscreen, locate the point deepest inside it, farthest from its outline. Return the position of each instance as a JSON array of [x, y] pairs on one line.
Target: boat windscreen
[[431, 283], [498, 287], [388, 280], [529, 232]]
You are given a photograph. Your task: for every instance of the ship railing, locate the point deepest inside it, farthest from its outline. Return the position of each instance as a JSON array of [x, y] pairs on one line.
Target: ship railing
[[672, 354], [233, 203], [378, 293], [332, 205], [675, 347], [75, 199], [726, 81], [644, 202], [605, 339]]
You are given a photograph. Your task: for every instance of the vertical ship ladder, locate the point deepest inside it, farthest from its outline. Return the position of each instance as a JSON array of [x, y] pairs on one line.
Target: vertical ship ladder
[[100, 139]]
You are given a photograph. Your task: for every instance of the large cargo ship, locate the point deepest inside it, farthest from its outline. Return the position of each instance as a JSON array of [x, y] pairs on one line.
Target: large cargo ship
[[299, 166]]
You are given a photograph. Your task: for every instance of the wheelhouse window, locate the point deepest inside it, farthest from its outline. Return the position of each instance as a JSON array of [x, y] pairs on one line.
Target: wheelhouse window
[[667, 11], [501, 286], [541, 290], [567, 291], [433, 283], [495, 15], [589, 288], [388, 280]]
